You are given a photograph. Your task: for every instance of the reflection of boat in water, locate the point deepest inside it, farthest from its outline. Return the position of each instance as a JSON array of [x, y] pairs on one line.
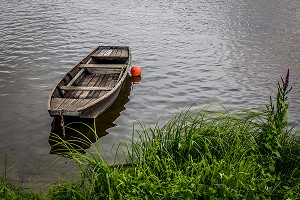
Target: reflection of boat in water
[[78, 133]]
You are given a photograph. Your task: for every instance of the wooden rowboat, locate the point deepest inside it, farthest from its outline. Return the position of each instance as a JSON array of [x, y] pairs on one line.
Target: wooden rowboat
[[92, 85]]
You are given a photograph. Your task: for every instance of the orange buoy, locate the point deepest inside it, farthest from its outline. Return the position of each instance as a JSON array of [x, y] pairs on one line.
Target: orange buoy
[[135, 71]]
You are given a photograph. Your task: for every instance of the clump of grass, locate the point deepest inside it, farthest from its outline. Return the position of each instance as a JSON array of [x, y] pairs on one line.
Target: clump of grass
[[8, 191], [197, 155]]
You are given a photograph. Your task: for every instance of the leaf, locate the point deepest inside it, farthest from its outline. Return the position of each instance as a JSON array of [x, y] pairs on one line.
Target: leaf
[[272, 167], [277, 154]]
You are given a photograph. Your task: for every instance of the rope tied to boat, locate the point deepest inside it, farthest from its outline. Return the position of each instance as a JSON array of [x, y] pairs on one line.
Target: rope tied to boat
[[62, 123]]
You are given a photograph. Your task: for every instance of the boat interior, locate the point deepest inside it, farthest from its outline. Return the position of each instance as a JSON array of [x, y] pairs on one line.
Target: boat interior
[[90, 79]]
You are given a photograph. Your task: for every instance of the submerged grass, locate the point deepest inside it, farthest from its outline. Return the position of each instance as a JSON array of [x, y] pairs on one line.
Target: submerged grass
[[198, 155]]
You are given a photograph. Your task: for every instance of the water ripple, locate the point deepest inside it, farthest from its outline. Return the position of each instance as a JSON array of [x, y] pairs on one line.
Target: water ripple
[[213, 52]]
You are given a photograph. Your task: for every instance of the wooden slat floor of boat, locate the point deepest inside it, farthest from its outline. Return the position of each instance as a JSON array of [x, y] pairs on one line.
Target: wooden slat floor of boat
[[104, 79], [62, 103], [109, 83], [56, 102], [81, 103], [86, 97], [85, 81], [89, 83], [74, 103], [66, 103], [97, 83], [105, 83]]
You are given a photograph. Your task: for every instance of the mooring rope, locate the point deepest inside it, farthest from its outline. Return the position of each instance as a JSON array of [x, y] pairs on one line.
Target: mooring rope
[[62, 123]]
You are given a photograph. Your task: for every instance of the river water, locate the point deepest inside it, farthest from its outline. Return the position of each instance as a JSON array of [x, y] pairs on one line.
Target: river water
[[213, 52]]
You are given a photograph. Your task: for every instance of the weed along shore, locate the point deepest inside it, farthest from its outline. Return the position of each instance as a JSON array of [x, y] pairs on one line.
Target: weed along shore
[[196, 155]]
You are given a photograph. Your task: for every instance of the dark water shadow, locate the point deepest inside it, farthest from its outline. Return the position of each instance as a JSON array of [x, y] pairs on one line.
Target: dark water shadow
[[78, 133]]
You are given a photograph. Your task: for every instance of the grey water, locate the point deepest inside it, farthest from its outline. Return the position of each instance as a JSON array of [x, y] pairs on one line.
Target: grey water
[[213, 52]]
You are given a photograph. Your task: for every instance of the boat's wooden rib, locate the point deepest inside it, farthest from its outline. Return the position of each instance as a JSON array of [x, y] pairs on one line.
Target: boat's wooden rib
[[92, 85], [76, 77]]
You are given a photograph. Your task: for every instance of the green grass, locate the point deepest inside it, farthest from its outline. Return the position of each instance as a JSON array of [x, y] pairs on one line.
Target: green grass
[[199, 155], [194, 156], [8, 191]]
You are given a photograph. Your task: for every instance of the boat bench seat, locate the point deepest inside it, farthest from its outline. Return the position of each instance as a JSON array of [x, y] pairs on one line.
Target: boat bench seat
[[82, 88], [106, 54], [108, 57], [103, 66]]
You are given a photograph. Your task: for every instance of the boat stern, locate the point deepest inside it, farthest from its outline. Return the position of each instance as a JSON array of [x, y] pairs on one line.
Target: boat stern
[[56, 113]]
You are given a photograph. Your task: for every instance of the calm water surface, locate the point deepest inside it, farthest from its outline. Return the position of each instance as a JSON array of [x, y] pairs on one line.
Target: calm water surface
[[214, 52]]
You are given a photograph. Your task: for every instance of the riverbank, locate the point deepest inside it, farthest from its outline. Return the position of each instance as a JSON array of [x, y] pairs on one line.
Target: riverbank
[[196, 155]]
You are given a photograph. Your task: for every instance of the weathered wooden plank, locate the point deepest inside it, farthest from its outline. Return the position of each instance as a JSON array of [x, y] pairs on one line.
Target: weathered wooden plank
[[104, 52], [87, 79], [104, 66], [119, 53], [76, 77], [79, 105], [65, 104], [83, 88], [109, 57], [110, 54], [73, 103], [90, 84], [92, 101], [111, 83], [97, 84], [107, 84], [96, 52], [124, 54], [102, 84], [114, 52], [120, 76], [101, 53], [105, 71], [56, 102]]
